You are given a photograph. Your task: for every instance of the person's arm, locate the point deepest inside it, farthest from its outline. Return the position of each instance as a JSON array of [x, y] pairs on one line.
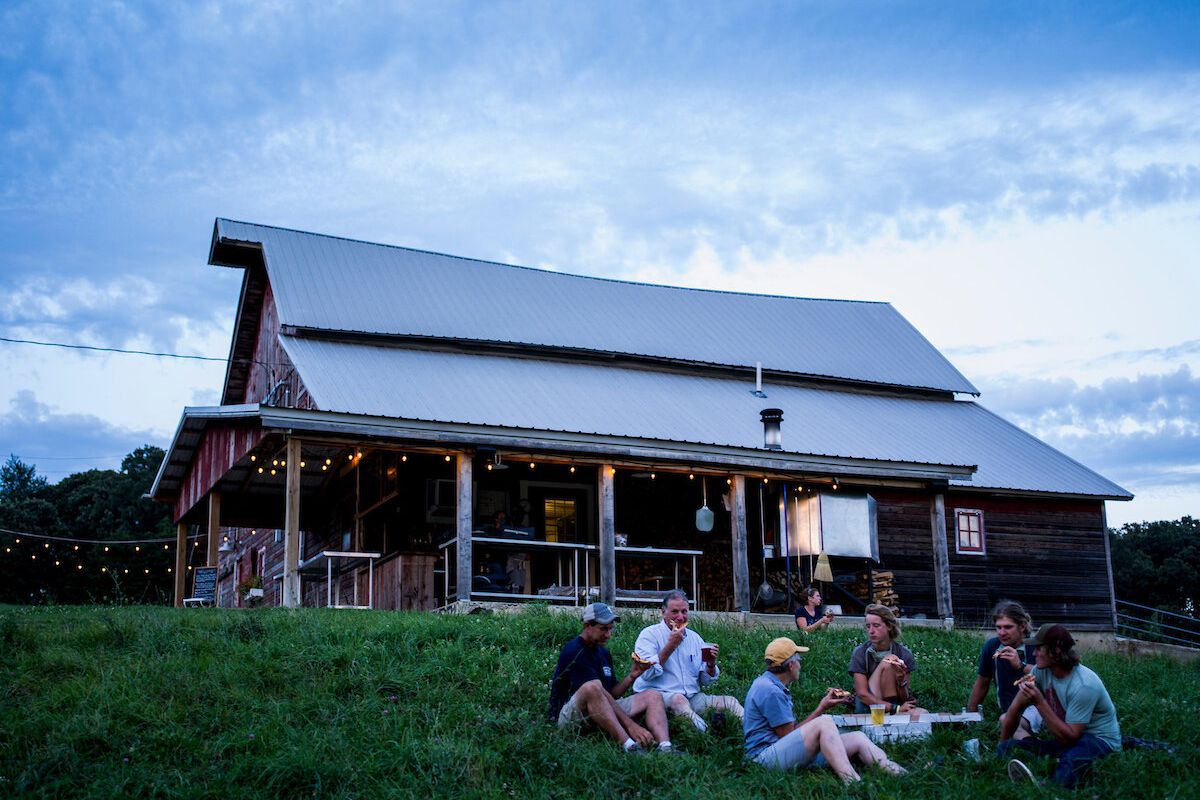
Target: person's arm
[[1066, 733], [978, 692], [1011, 718], [635, 671], [648, 648], [674, 639], [801, 622], [827, 702]]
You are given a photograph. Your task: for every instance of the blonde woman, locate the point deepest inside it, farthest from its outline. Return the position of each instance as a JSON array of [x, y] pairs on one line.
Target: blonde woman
[[881, 666]]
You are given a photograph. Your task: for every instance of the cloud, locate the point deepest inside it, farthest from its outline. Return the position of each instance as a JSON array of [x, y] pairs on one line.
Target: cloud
[[1142, 432], [61, 444], [127, 311]]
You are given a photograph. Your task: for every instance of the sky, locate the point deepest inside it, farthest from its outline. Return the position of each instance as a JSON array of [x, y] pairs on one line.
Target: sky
[[1020, 180]]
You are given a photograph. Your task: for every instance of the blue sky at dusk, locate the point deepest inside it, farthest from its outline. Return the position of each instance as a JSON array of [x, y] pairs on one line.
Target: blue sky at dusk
[[1021, 180]]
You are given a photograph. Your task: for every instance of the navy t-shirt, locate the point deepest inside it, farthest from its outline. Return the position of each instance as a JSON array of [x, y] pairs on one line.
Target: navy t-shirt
[[1001, 671], [802, 611], [577, 664]]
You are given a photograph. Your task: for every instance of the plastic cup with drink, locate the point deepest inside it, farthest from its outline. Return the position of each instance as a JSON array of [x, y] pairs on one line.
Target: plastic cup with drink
[[877, 712]]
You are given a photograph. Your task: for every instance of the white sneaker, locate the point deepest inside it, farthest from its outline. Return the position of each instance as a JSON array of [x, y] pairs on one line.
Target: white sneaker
[[1019, 773]]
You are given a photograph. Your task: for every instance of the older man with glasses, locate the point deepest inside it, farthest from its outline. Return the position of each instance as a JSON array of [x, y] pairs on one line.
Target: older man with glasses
[[776, 741]]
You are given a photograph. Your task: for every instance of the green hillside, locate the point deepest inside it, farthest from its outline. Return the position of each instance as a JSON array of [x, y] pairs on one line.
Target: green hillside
[[155, 702]]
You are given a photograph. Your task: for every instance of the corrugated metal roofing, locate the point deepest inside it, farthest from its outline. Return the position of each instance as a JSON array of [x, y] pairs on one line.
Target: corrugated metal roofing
[[338, 284], [544, 395]]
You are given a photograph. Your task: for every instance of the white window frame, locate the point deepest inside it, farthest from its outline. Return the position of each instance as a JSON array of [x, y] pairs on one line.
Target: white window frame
[[959, 514]]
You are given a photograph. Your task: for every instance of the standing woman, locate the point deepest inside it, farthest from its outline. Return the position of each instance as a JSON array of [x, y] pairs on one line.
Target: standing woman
[[881, 666], [808, 616]]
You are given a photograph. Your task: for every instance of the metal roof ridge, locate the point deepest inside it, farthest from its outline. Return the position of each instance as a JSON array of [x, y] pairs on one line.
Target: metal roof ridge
[[542, 352], [561, 273]]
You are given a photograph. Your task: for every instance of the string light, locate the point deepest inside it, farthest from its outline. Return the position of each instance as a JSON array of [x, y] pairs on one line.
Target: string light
[[260, 470], [404, 456], [532, 465], [652, 476], [572, 469], [691, 476], [272, 472], [283, 463], [274, 462], [301, 465], [324, 467], [447, 456], [328, 461], [253, 458]]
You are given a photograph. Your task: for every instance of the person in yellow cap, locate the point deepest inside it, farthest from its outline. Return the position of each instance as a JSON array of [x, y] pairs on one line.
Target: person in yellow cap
[[776, 741]]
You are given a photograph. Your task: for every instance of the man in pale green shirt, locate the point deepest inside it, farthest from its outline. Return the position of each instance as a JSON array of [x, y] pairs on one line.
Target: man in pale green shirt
[[1075, 707]]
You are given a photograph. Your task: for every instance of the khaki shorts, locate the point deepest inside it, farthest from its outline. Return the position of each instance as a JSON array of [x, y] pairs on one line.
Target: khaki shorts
[[572, 716]]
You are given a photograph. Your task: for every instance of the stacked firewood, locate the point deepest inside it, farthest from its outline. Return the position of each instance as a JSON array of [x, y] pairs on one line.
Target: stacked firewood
[[880, 588]]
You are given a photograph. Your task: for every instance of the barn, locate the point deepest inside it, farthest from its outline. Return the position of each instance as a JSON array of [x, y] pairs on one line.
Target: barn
[[401, 429]]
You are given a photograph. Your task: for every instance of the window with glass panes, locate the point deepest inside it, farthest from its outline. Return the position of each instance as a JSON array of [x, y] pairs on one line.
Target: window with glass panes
[[970, 531]]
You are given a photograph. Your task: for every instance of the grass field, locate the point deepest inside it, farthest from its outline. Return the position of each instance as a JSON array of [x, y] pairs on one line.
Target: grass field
[[155, 702]]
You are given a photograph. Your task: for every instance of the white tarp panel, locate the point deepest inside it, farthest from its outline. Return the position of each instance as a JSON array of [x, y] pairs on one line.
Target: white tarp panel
[[839, 524]]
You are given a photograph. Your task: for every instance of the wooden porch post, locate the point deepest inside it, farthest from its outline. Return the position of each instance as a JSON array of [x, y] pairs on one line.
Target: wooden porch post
[[180, 563], [741, 564], [1112, 592], [608, 530], [214, 527], [291, 527], [941, 557], [465, 508]]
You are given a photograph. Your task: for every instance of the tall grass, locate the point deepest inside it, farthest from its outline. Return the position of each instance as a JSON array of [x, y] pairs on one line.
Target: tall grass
[[155, 702]]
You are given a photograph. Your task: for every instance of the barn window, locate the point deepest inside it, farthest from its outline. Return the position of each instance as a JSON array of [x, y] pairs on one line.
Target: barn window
[[969, 523]]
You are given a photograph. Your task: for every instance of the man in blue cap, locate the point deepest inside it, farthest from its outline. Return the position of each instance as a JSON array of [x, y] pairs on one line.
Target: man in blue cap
[[585, 693]]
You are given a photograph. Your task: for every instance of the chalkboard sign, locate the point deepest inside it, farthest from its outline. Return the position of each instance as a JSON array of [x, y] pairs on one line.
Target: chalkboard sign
[[205, 586]]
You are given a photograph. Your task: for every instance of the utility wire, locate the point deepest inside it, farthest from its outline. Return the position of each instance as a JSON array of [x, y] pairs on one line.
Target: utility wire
[[98, 541], [128, 352]]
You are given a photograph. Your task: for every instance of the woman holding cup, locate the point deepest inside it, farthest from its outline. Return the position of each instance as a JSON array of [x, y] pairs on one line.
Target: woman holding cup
[[809, 617]]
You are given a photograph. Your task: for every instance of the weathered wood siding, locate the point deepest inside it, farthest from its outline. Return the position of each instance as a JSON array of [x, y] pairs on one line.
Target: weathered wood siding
[[906, 548], [222, 446], [272, 366], [1047, 554]]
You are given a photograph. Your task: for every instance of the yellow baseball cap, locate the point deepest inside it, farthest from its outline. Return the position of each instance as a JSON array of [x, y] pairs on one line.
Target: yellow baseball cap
[[781, 649]]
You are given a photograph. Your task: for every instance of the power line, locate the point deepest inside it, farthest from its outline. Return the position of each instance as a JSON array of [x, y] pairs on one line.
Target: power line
[[97, 541], [108, 349], [130, 352]]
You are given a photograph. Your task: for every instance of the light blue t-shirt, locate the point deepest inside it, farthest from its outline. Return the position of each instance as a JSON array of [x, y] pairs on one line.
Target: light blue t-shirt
[[768, 705], [1084, 700]]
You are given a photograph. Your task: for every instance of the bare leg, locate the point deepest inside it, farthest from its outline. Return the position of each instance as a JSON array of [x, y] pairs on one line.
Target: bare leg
[[651, 703], [821, 734], [679, 705], [599, 708], [728, 704], [867, 752], [883, 681]]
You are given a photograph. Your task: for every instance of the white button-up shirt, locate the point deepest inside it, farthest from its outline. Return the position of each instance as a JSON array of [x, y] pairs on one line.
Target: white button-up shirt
[[684, 671]]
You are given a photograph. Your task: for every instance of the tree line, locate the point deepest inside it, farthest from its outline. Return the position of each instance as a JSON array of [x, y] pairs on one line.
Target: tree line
[[99, 504]]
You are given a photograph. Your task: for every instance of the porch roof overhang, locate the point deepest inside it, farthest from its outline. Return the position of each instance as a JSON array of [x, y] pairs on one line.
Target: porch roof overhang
[[194, 465]]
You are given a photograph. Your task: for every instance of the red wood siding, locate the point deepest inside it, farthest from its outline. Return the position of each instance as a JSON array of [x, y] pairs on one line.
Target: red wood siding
[[272, 365], [223, 446]]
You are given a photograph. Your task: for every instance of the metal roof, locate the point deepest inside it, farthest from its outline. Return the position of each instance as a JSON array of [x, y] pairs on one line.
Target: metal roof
[[335, 284], [583, 398]]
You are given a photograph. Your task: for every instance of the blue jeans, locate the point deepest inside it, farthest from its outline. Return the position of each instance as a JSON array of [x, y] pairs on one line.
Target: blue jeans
[[1073, 759]]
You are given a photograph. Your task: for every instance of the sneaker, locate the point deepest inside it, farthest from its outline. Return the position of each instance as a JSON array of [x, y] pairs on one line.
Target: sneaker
[[1019, 773], [669, 751], [971, 749], [636, 750]]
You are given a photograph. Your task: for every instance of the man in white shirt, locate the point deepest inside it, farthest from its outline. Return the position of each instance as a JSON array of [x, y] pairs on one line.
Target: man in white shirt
[[678, 668]]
